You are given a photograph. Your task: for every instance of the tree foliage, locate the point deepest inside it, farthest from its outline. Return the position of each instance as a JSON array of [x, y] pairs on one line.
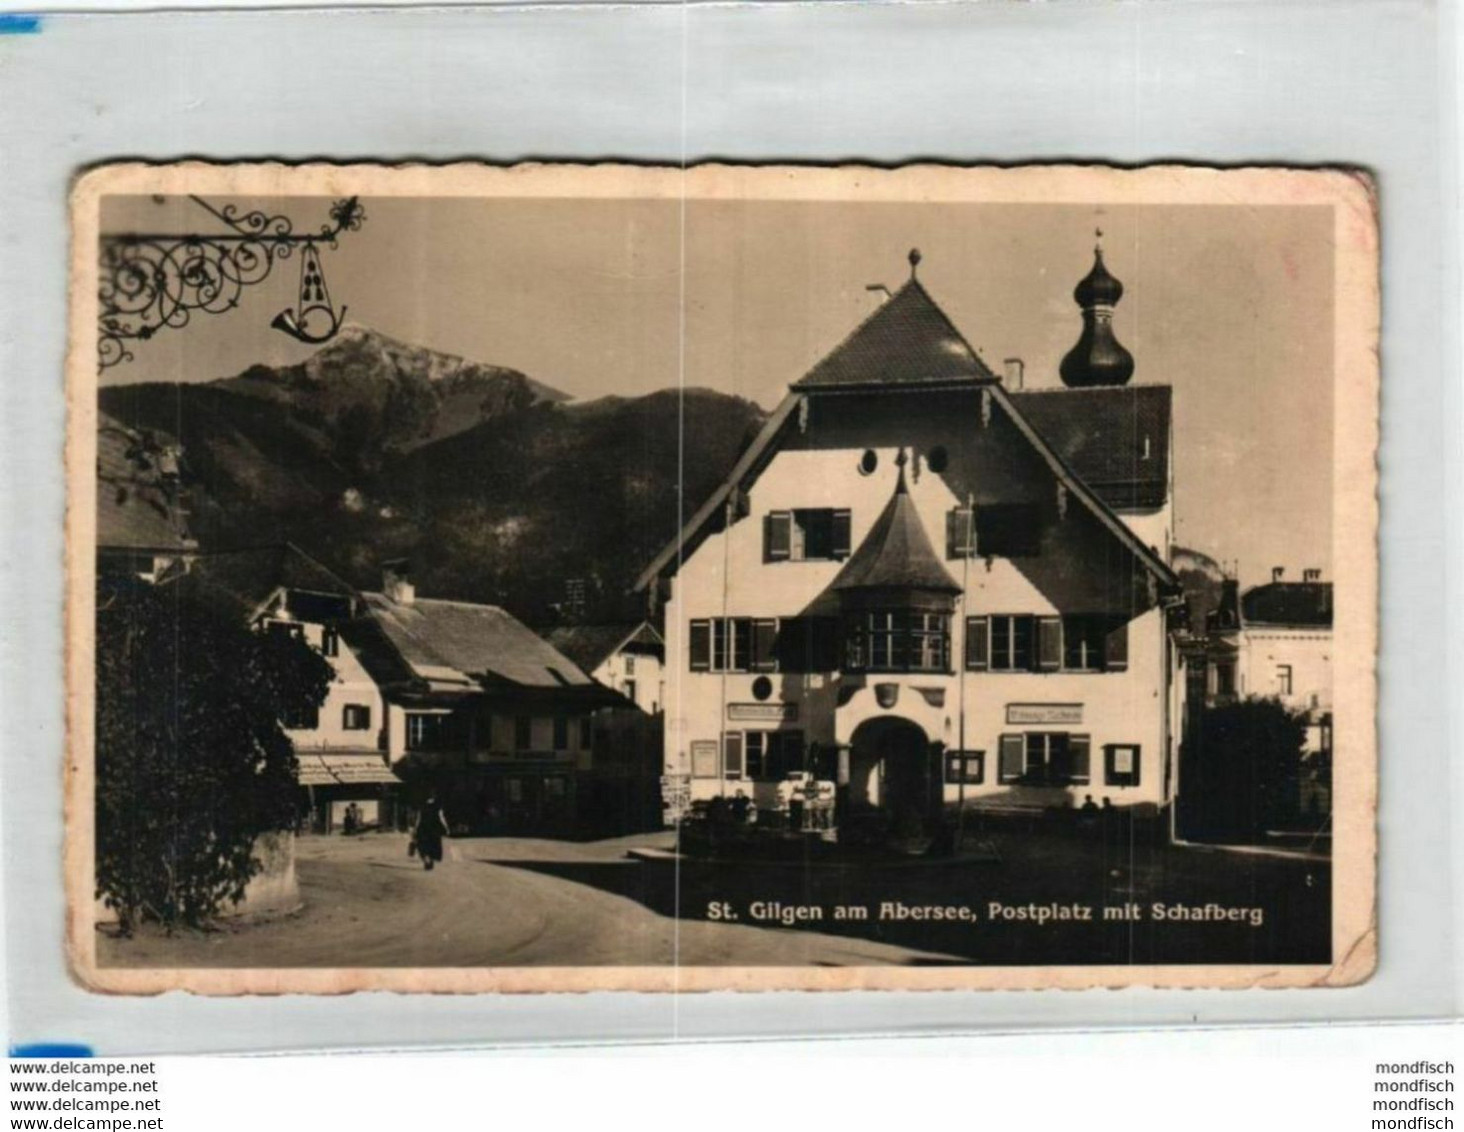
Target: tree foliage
[[1242, 775], [192, 765]]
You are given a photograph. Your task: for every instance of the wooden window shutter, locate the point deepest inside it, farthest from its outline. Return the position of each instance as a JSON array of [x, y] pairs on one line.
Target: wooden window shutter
[[1013, 758], [1049, 644], [1115, 648], [960, 533], [701, 646], [732, 755], [777, 536], [1080, 748], [843, 519], [764, 645], [978, 643]]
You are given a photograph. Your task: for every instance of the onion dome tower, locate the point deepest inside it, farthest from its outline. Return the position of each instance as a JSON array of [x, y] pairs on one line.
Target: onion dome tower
[[1098, 358]]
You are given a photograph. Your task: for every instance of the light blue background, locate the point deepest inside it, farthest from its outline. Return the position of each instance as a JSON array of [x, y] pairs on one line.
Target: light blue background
[[1366, 83]]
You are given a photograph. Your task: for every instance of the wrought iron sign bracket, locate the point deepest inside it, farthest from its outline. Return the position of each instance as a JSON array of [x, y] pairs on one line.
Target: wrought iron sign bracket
[[150, 281]]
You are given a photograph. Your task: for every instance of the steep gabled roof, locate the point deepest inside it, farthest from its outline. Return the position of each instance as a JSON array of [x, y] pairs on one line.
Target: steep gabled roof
[[589, 646], [1145, 554], [871, 359], [1115, 438], [907, 341], [247, 578], [896, 553]]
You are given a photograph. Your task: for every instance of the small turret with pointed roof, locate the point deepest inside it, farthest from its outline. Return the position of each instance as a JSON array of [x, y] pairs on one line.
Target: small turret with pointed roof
[[1098, 358], [896, 566]]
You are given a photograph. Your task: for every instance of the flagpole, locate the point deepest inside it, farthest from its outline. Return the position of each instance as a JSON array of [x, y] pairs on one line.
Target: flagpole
[[966, 549]]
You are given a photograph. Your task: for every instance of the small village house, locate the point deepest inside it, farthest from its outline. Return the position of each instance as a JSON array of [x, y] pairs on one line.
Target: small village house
[[479, 710], [341, 746], [1274, 641], [931, 585], [626, 657]]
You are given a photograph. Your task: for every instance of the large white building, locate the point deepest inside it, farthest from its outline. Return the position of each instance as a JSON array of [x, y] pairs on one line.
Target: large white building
[[926, 584], [1278, 641]]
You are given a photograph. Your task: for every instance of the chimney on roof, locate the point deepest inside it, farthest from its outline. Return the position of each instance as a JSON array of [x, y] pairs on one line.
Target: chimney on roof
[[396, 581], [1015, 368], [1311, 575], [1277, 572]]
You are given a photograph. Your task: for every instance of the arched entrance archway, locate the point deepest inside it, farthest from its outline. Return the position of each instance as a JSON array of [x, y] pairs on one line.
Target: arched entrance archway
[[891, 768]]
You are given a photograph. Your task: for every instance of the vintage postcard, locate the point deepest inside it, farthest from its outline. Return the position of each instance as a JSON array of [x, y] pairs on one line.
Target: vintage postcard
[[564, 578]]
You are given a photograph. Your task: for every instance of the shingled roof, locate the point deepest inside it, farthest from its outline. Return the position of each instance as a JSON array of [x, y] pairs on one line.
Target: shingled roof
[[907, 341], [454, 642], [1114, 438], [896, 554]]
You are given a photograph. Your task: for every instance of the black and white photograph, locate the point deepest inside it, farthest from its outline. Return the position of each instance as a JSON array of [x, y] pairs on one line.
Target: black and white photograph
[[602, 577]]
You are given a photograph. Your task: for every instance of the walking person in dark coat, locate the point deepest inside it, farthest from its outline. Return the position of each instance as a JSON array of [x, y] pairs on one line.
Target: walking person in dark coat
[[431, 828]]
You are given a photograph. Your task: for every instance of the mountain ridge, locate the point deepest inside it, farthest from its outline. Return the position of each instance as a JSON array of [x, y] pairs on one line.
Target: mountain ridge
[[498, 487]]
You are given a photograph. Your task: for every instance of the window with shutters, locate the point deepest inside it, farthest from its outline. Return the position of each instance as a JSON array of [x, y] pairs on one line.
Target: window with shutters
[[427, 731], [725, 644], [768, 756], [1008, 530], [1053, 758], [356, 717], [523, 732], [561, 729], [1084, 638], [960, 533], [1012, 642], [813, 534], [305, 718]]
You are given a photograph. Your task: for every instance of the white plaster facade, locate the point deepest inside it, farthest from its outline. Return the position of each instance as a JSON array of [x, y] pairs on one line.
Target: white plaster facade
[[1135, 711], [638, 676], [351, 687]]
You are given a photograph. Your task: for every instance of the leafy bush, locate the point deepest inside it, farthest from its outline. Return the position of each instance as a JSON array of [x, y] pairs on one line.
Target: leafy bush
[[1240, 775], [192, 765]]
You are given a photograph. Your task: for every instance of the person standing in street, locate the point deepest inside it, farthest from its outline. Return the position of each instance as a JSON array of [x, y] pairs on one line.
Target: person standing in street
[[431, 828]]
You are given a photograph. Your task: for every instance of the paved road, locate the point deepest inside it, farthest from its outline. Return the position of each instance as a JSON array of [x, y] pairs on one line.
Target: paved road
[[492, 902]]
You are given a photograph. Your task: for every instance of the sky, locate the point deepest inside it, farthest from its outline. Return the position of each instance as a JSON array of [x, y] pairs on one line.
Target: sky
[[1232, 306]]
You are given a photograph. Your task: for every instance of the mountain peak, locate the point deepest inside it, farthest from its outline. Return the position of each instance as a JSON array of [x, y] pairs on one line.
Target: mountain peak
[[392, 393]]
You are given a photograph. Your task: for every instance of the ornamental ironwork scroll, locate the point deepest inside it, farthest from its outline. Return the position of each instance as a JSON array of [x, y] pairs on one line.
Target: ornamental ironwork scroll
[[151, 282]]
